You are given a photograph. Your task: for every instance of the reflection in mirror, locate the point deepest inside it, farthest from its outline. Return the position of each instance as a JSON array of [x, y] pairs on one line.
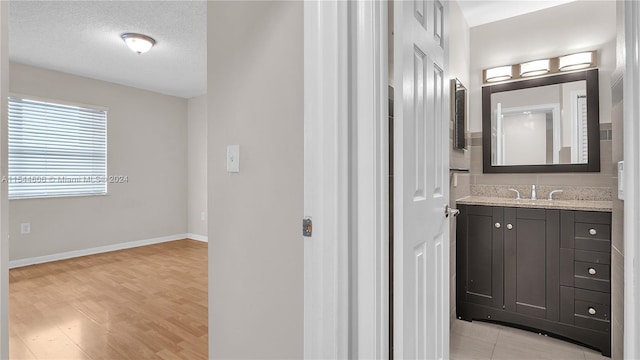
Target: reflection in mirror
[[547, 124], [541, 125]]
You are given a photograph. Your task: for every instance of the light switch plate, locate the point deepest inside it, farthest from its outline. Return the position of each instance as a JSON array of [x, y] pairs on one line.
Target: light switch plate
[[233, 158], [621, 180]]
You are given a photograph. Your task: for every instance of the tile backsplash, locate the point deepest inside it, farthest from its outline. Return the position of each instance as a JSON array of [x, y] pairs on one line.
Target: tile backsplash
[[603, 179]]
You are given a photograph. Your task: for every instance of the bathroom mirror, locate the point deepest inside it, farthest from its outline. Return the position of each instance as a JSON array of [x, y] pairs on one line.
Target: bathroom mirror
[[459, 114], [548, 124]]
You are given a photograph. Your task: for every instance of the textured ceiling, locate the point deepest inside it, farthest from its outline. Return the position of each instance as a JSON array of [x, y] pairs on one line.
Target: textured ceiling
[[83, 38], [478, 12]]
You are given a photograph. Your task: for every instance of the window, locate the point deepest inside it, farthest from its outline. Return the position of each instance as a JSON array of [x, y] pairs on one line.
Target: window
[[56, 150]]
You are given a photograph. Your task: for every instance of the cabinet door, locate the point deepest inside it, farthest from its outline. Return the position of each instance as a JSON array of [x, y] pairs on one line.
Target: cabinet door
[[532, 262], [480, 255]]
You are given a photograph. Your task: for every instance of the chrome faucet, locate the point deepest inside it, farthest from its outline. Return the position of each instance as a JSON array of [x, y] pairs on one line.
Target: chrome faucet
[[554, 192], [533, 192], [517, 193]]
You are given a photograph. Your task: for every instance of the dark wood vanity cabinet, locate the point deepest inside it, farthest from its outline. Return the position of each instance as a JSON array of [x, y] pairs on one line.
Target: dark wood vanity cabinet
[[531, 243], [541, 269]]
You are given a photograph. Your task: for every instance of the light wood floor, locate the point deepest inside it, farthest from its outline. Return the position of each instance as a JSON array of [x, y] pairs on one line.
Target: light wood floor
[[142, 303]]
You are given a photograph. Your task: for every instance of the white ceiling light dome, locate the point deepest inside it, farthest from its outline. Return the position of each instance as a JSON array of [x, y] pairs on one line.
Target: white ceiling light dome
[[138, 43]]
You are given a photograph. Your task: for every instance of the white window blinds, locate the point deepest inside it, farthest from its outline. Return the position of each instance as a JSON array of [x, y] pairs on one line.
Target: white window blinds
[[56, 150]]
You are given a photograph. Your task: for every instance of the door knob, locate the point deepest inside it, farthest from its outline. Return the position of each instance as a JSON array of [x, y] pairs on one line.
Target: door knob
[[592, 311], [592, 231], [450, 211], [592, 271], [509, 226], [497, 225]]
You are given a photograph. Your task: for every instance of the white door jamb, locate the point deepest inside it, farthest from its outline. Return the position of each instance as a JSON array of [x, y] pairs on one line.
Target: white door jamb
[[370, 179], [326, 180], [4, 199], [631, 180], [346, 185]]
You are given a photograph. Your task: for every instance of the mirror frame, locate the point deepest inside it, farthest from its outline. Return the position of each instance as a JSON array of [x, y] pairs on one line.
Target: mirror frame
[[459, 114], [593, 123]]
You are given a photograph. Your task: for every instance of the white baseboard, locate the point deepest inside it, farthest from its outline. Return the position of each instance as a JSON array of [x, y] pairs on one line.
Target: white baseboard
[[97, 250], [197, 237]]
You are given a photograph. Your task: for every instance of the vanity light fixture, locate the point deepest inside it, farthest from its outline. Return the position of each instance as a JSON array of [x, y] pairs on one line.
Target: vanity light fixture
[[575, 61], [499, 73], [138, 43], [534, 68], [541, 67]]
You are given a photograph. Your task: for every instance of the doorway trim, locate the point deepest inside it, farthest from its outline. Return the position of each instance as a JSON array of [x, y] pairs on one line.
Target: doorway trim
[[326, 180], [631, 179], [4, 198], [346, 259], [370, 180]]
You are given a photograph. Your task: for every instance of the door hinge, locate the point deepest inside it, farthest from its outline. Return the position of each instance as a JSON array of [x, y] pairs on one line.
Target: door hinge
[[307, 226]]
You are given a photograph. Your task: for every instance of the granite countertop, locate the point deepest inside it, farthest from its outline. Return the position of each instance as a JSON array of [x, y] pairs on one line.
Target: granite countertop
[[585, 205]]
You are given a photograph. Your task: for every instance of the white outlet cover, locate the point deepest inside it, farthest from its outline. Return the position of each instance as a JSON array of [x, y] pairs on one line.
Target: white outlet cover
[[25, 228], [233, 158]]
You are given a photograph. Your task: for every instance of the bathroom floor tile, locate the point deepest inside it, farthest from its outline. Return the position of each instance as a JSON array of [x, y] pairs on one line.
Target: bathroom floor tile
[[477, 329], [482, 340], [468, 348]]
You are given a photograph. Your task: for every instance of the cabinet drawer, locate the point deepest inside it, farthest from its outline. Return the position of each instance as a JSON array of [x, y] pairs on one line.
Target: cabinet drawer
[[592, 284], [586, 300], [587, 309], [592, 276], [592, 310], [602, 245], [597, 257], [592, 315], [593, 231]]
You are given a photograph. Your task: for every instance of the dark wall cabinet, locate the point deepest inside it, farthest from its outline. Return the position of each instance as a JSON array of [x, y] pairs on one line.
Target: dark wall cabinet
[[541, 269]]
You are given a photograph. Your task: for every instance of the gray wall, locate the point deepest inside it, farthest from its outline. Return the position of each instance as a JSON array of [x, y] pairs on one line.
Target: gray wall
[[197, 166], [255, 99], [147, 141]]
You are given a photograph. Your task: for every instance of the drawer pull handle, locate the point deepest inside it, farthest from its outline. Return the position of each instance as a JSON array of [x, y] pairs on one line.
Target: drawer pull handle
[[509, 226], [592, 271], [592, 311], [592, 231], [497, 225]]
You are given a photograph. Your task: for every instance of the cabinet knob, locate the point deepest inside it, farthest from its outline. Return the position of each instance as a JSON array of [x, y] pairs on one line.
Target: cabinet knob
[[592, 271], [509, 226], [592, 231], [497, 225], [592, 311]]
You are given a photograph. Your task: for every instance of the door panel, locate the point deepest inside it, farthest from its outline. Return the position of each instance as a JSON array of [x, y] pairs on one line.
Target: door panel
[[530, 267], [480, 243], [480, 252], [532, 255], [421, 234]]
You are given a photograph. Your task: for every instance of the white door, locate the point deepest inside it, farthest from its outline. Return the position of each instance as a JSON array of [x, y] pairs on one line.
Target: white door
[[421, 134]]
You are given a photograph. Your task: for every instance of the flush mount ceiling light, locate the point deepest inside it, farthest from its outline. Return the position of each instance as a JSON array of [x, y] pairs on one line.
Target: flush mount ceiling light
[[575, 61], [138, 43], [499, 73], [534, 68]]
